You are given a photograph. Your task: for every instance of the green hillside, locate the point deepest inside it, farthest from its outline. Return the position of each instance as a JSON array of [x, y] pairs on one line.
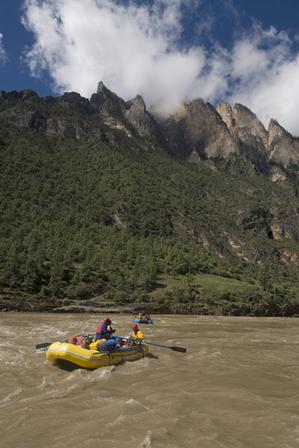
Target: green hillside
[[83, 220]]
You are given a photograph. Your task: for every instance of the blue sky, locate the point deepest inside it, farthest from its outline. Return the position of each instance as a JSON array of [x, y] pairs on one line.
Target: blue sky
[[167, 50], [14, 74]]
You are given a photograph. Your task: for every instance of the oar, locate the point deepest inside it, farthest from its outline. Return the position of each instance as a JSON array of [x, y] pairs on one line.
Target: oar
[[47, 344], [174, 348], [43, 345]]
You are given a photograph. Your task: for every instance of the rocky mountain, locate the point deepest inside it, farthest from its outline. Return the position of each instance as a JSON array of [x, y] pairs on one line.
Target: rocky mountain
[[103, 198], [197, 129]]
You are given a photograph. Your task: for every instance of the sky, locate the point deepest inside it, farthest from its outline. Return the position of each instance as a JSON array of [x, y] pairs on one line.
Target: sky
[[169, 51]]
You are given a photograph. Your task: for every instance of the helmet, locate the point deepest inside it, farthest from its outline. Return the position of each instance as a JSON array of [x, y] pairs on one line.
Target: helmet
[[72, 339], [135, 326], [107, 321]]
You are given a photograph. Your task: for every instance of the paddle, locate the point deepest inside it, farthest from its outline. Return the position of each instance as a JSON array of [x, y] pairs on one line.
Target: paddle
[[174, 348], [47, 344], [43, 345]]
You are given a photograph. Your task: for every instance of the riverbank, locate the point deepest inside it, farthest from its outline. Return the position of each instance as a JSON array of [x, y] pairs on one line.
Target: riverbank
[[16, 301]]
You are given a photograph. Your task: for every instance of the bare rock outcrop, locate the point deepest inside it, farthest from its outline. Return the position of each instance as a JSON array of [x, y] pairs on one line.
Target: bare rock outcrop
[[282, 146], [131, 116], [198, 128], [248, 131], [226, 112], [107, 103], [249, 128], [140, 118]]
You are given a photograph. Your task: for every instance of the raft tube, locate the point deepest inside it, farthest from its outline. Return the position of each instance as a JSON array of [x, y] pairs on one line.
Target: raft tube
[[92, 359], [148, 321]]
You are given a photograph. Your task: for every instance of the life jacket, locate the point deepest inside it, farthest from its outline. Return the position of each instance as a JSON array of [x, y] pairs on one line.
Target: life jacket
[[99, 328], [137, 335], [103, 331]]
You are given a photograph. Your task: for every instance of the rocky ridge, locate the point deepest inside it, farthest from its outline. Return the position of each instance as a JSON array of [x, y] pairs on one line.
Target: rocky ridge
[[196, 131]]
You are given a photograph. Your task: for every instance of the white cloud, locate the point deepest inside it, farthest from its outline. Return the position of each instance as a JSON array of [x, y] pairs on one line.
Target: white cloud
[[3, 56], [267, 72], [134, 48], [131, 48]]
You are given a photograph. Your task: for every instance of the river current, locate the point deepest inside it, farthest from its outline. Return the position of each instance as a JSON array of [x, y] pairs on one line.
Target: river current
[[237, 386]]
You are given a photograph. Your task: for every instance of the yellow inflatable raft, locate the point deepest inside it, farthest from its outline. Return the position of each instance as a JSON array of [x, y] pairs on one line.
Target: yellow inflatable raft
[[92, 359]]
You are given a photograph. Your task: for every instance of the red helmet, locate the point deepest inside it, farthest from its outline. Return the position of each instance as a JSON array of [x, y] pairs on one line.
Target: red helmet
[[72, 339], [135, 326], [107, 321]]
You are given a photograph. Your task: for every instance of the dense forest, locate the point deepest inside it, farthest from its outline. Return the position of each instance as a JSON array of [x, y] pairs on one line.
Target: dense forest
[[94, 223]]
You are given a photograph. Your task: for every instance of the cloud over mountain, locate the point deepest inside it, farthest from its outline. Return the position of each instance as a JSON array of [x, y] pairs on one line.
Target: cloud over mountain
[[137, 48], [265, 73], [131, 48]]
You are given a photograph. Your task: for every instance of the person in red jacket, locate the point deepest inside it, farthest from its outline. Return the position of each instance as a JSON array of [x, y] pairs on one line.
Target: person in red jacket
[[104, 330]]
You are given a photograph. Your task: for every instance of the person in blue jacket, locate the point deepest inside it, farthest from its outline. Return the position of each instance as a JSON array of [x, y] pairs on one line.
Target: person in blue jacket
[[104, 334], [104, 330]]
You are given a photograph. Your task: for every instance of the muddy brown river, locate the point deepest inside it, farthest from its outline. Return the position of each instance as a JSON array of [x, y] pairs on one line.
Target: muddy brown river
[[237, 386]]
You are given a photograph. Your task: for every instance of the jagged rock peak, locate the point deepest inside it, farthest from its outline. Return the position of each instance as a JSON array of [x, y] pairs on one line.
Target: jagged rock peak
[[226, 112], [106, 102], [245, 117], [277, 132], [197, 126], [243, 110], [104, 92], [101, 87], [238, 115], [283, 147], [139, 117], [139, 103], [276, 128], [249, 129]]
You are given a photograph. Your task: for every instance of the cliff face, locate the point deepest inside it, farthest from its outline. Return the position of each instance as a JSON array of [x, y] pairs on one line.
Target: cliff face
[[244, 125], [283, 148], [274, 145], [197, 127], [196, 131], [249, 133]]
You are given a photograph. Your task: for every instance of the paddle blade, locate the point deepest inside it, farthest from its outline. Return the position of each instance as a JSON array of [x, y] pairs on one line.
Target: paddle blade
[[43, 345], [179, 349], [174, 348]]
